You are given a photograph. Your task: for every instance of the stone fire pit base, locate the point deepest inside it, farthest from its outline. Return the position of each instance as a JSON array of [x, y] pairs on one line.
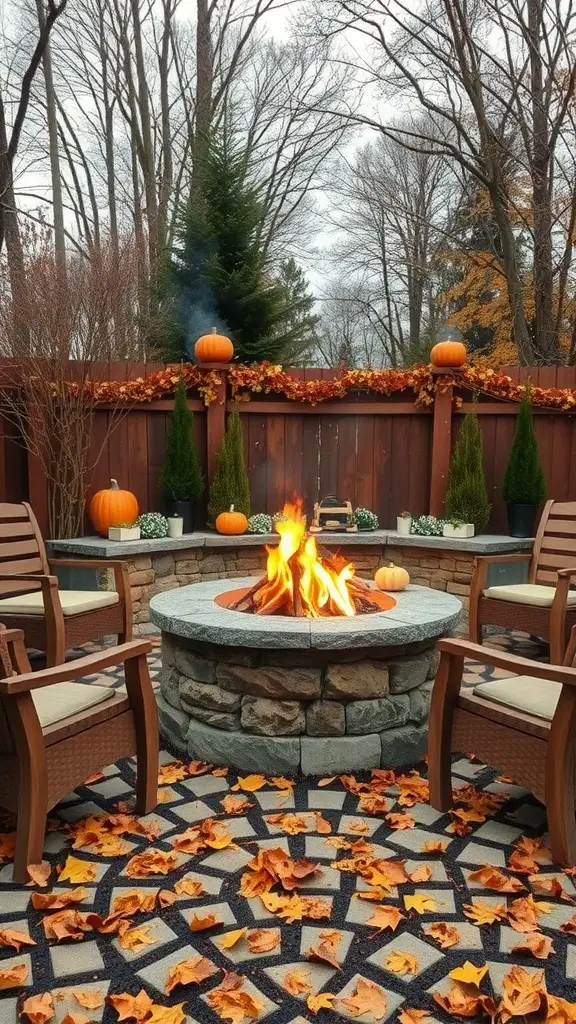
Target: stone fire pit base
[[277, 694], [285, 711]]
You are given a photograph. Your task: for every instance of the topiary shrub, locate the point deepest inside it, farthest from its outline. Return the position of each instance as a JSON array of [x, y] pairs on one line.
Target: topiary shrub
[[181, 477], [466, 497], [260, 523], [153, 525], [365, 519], [524, 480], [230, 485]]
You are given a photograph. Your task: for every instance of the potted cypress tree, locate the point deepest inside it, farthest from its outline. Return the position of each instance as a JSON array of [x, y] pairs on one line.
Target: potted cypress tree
[[524, 487], [230, 485], [466, 498], [181, 481]]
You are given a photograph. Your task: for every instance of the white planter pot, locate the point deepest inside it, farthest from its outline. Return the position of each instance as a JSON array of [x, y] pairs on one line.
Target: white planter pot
[[175, 526], [466, 530], [403, 525], [124, 533]]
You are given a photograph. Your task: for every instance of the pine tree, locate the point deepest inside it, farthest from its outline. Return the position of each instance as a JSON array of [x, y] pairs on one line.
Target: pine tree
[[221, 273], [466, 498], [181, 477], [524, 480], [230, 485]]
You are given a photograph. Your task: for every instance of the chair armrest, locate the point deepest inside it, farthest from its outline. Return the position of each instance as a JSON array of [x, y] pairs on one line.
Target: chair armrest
[[87, 563], [75, 669], [517, 666], [44, 580], [562, 573]]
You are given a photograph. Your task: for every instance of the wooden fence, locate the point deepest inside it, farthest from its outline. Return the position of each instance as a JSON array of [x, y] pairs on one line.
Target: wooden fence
[[382, 453]]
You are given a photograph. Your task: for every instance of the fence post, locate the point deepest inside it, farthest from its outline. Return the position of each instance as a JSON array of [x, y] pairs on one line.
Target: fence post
[[216, 422], [441, 441]]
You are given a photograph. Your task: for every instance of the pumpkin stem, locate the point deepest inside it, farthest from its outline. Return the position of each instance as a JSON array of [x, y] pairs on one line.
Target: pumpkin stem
[[214, 330], [114, 485], [231, 508]]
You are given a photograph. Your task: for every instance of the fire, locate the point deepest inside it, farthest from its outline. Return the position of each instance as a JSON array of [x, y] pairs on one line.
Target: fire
[[299, 581]]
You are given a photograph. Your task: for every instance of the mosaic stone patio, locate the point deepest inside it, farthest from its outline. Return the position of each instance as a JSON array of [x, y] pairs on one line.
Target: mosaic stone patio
[[101, 964]]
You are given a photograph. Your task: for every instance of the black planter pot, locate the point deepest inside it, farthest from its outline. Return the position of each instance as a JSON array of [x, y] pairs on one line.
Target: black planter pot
[[521, 520], [186, 509]]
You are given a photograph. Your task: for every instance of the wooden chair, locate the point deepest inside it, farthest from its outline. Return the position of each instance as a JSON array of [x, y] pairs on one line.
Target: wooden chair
[[54, 620], [55, 731], [524, 726], [544, 606]]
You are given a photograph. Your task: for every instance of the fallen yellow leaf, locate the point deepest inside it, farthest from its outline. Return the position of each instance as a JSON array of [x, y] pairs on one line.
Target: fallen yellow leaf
[[76, 870], [229, 940], [469, 974]]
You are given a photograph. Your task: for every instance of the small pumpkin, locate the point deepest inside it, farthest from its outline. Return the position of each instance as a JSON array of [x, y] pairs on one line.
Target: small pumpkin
[[391, 577], [448, 353], [213, 348], [112, 506], [231, 523]]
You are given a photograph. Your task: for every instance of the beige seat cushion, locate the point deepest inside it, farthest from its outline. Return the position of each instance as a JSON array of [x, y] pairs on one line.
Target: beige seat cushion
[[523, 593], [531, 696], [59, 701], [73, 602]]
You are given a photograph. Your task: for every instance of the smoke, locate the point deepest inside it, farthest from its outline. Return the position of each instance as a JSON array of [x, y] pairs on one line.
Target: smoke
[[198, 312]]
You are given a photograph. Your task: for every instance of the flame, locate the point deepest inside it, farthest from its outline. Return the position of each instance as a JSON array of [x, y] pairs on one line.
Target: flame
[[297, 576]]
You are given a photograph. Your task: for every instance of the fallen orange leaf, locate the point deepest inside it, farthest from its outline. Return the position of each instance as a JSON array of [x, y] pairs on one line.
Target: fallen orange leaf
[[189, 972], [297, 982], [535, 944], [444, 934], [469, 974], [465, 1001], [368, 997], [250, 784], [263, 940], [481, 912], [373, 803], [39, 873], [130, 1007], [235, 804], [229, 940], [411, 1016], [423, 873], [76, 870], [75, 1018], [323, 1001], [199, 767], [15, 939], [90, 999], [433, 846], [523, 993], [65, 924], [492, 878], [550, 887], [173, 772], [295, 907], [400, 962], [13, 977], [293, 824], [166, 1014], [201, 924], [166, 898], [189, 887], [58, 900], [421, 904], [136, 902], [524, 913], [231, 1001], [38, 1009], [7, 845], [386, 917], [327, 949], [135, 938], [400, 821], [326, 782], [323, 827], [151, 862]]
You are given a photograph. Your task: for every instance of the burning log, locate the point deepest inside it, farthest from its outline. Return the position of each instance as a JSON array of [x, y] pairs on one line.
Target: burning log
[[300, 581]]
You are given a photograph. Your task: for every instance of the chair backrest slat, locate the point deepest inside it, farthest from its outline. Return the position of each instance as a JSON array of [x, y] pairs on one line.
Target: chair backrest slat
[[555, 546], [22, 550], [559, 544]]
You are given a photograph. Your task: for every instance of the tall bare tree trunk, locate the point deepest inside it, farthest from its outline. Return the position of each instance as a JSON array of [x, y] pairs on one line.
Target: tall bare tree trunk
[[146, 144], [52, 122], [546, 334], [204, 90]]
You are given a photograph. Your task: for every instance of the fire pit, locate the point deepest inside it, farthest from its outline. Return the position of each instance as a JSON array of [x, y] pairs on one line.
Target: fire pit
[[310, 668]]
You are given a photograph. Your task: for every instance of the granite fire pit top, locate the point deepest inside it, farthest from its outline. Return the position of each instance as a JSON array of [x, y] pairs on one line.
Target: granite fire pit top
[[420, 614]]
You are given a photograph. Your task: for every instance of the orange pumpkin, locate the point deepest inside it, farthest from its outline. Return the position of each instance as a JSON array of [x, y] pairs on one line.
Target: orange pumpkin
[[391, 577], [111, 507], [214, 348], [448, 353], [231, 522]]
